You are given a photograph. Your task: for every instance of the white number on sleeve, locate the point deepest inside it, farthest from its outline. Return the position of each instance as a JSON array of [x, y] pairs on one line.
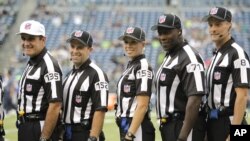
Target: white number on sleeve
[[49, 77]]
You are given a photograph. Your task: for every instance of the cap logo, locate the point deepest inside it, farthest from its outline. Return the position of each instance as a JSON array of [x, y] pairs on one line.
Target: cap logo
[[27, 26], [78, 34], [162, 19], [130, 30], [214, 11]]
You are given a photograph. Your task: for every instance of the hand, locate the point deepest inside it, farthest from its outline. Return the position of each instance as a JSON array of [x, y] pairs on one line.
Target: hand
[[228, 138], [2, 132], [127, 138], [92, 138], [44, 139]]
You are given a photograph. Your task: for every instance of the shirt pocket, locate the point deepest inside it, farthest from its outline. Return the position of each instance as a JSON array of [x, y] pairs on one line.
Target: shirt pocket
[[220, 75], [167, 77], [78, 98], [32, 87], [128, 88]]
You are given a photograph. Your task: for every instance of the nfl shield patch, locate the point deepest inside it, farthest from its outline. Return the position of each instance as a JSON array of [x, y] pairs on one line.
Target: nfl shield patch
[[78, 99], [162, 76], [213, 10], [27, 26], [28, 87], [162, 19], [78, 33], [217, 75], [126, 88], [130, 30]]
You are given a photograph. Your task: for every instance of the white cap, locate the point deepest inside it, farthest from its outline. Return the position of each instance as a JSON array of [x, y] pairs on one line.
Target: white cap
[[32, 27]]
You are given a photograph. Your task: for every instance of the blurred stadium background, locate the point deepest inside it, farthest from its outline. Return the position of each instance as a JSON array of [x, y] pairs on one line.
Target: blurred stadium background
[[105, 20]]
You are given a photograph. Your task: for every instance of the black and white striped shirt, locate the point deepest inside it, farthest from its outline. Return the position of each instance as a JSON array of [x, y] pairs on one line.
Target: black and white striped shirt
[[228, 70], [85, 90], [180, 75], [135, 80], [40, 84]]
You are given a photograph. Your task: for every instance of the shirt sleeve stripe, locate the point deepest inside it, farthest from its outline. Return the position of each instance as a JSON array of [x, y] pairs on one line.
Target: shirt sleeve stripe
[[103, 93], [51, 69], [144, 80], [238, 63], [197, 74]]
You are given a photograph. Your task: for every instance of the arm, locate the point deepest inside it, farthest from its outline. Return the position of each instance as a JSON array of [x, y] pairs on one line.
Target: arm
[[141, 109], [51, 119], [191, 114], [240, 105], [97, 123]]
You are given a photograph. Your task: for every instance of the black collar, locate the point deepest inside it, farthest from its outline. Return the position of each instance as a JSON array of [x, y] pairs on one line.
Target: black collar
[[224, 46], [175, 49], [36, 59], [136, 59], [83, 66]]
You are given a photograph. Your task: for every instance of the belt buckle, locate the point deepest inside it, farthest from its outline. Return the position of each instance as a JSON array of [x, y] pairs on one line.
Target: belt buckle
[[165, 119], [31, 116], [21, 117]]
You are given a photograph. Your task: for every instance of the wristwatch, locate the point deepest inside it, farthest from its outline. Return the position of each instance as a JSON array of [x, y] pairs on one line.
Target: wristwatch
[[91, 138], [130, 135]]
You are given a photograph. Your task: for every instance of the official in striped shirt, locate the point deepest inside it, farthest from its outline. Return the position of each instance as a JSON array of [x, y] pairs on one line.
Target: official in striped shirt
[[228, 77], [2, 132], [179, 81], [40, 86], [85, 93], [134, 90]]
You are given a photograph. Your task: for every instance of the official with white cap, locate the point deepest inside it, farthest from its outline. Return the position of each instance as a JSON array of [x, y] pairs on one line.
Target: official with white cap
[[40, 87]]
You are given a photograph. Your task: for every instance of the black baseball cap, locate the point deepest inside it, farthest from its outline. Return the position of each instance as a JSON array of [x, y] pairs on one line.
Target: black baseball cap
[[219, 13], [168, 21], [136, 33], [82, 36]]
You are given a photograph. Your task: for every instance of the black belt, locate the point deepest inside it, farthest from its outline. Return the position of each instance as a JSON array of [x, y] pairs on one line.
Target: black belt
[[34, 117], [84, 125], [31, 117], [220, 112], [172, 116]]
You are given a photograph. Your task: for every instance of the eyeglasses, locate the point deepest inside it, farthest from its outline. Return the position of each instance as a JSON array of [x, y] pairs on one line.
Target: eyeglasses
[[28, 38]]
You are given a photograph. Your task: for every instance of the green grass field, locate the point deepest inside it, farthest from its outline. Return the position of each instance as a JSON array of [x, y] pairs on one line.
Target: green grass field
[[110, 128]]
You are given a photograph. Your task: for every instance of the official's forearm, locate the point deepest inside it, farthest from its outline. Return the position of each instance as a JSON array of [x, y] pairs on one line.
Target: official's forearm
[[51, 119], [139, 114], [97, 123], [191, 114], [240, 105]]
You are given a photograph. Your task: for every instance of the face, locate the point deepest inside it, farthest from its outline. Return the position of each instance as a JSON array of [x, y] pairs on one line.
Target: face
[[219, 30], [132, 47], [79, 53], [168, 38], [32, 45]]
